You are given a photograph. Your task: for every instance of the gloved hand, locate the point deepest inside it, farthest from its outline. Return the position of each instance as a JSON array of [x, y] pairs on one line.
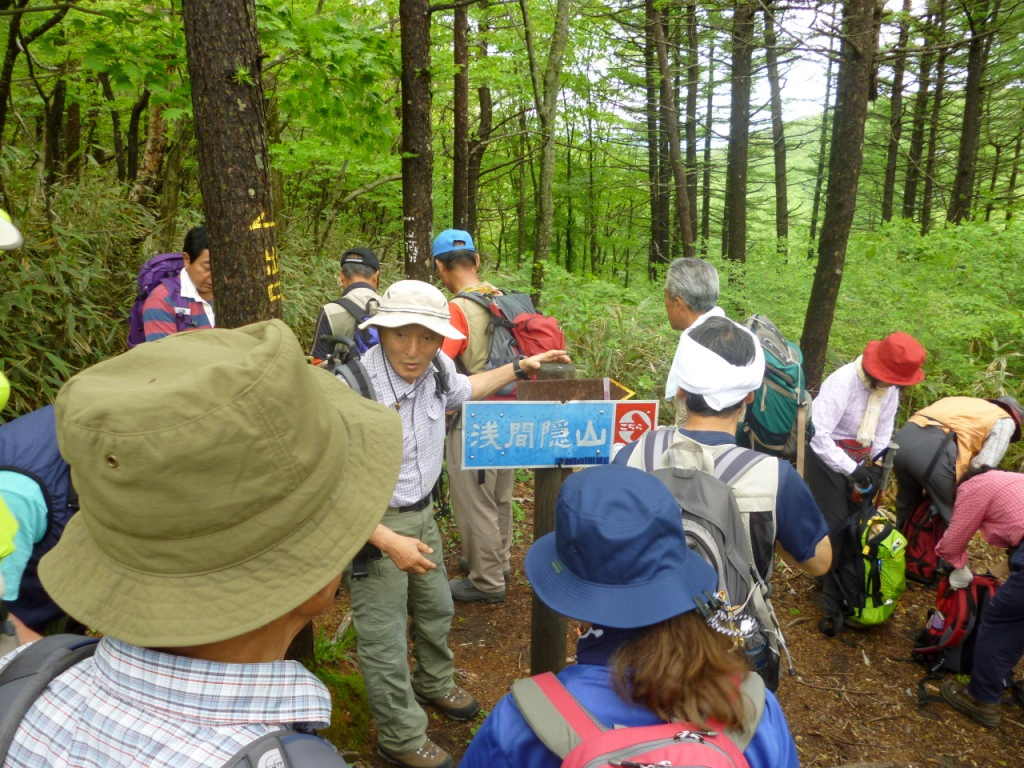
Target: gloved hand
[[867, 476], [960, 578]]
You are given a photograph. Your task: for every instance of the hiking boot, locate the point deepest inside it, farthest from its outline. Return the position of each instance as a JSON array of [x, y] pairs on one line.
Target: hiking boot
[[464, 567], [428, 756], [458, 704], [464, 591], [959, 699]]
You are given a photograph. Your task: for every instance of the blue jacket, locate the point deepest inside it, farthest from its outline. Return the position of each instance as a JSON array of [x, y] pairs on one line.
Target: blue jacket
[[28, 445], [506, 741]]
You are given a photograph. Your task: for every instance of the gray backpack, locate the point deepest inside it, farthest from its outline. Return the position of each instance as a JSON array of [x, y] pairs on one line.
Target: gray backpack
[[28, 674]]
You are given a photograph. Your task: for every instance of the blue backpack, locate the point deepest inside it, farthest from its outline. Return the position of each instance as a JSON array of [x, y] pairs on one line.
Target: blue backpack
[[363, 339], [28, 674], [163, 268]]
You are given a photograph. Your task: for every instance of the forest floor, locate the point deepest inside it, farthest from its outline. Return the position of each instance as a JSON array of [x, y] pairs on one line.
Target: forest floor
[[846, 706]]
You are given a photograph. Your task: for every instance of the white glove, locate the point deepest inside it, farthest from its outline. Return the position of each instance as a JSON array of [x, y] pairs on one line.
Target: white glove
[[961, 578]]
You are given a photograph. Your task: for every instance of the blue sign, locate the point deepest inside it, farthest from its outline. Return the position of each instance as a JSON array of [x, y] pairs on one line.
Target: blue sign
[[537, 434]]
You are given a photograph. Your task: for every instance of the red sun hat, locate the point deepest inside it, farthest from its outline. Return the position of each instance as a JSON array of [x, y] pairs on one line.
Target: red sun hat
[[896, 359]]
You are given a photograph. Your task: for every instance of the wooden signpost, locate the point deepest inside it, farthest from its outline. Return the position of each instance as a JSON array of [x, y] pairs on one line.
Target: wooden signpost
[[556, 422]]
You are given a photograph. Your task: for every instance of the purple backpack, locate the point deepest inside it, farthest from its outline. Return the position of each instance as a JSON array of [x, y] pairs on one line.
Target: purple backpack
[[165, 269]]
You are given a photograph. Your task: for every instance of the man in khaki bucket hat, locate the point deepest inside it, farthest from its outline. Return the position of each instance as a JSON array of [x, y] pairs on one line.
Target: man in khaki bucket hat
[[223, 482]]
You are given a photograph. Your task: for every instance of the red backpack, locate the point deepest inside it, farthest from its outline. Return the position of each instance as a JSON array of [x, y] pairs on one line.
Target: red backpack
[[923, 529], [947, 641], [566, 728], [517, 330]]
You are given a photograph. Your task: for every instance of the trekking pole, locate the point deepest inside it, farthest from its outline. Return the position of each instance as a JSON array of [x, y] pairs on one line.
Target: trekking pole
[[890, 457]]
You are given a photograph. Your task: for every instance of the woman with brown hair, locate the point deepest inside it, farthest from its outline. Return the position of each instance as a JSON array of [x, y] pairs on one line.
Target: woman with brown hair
[[619, 562]]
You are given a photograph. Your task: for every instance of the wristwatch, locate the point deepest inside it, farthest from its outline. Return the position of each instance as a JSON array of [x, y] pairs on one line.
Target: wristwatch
[[520, 373]]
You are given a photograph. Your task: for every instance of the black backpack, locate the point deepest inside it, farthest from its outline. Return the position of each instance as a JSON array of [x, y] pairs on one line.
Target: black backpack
[[28, 674]]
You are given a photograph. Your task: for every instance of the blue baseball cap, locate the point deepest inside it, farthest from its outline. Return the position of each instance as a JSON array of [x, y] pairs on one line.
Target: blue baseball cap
[[618, 556], [446, 242]]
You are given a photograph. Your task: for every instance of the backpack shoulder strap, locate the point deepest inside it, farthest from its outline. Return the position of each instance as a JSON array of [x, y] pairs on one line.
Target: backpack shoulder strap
[[733, 463], [25, 678], [559, 721], [476, 298], [353, 308], [287, 749], [752, 694], [356, 376]]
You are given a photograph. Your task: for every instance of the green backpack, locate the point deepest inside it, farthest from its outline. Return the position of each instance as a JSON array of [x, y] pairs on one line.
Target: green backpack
[[884, 571]]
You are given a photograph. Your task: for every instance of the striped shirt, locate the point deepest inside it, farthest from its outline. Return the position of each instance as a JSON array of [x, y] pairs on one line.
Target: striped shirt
[[422, 409], [992, 503], [132, 706], [837, 412], [158, 313]]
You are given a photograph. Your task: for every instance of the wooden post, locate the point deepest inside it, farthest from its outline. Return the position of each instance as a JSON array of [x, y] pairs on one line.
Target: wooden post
[[549, 629]]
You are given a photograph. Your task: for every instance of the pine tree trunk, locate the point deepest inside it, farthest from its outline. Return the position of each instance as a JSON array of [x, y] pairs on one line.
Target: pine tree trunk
[[933, 130], [970, 129], [1011, 187], [224, 61], [915, 151], [692, 92], [895, 115], [417, 138], [778, 133], [478, 143], [145, 189], [734, 231], [845, 159], [460, 174], [658, 250], [705, 182], [672, 128], [820, 176]]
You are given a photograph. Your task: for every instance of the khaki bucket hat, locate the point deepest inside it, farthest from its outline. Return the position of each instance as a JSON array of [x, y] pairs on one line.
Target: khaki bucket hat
[[222, 480]]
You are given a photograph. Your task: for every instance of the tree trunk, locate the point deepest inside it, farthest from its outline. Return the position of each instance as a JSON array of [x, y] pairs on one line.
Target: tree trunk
[[478, 143], [820, 176], [73, 139], [856, 65], [460, 176], [778, 133], [992, 183], [11, 52], [692, 92], [133, 135], [145, 189], [658, 251], [734, 230], [224, 61], [545, 94], [417, 138], [668, 99], [705, 182], [52, 155], [970, 129], [115, 128], [933, 129], [895, 114], [521, 199], [916, 149], [1011, 187], [165, 235]]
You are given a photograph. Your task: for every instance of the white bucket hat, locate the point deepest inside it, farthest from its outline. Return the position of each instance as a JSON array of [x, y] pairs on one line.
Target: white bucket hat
[[414, 302], [10, 237]]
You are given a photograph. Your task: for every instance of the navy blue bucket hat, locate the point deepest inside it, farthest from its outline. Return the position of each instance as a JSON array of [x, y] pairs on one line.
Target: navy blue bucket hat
[[618, 555]]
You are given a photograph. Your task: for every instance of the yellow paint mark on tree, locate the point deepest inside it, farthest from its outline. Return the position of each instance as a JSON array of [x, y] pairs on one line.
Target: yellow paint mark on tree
[[261, 222]]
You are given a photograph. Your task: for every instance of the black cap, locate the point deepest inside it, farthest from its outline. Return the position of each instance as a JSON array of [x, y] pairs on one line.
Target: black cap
[[363, 256]]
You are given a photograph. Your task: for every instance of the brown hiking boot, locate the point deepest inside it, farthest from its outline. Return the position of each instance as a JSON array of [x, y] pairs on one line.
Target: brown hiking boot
[[457, 703], [428, 756], [959, 699]]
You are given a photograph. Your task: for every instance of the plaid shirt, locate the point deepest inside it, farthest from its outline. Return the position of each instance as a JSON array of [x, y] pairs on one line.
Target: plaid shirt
[[992, 503], [422, 408], [132, 706], [837, 412]]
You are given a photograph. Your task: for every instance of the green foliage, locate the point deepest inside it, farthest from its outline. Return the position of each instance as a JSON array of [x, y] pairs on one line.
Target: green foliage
[[64, 297]]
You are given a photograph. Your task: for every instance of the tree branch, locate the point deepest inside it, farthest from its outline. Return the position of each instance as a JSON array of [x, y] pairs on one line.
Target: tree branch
[[57, 7]]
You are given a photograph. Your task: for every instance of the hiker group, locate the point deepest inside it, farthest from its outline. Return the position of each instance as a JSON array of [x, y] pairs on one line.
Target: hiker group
[[197, 501]]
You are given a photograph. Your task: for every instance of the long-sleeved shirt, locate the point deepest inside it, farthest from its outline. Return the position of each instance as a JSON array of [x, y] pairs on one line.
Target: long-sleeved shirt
[[992, 503], [132, 706], [159, 313], [837, 412]]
